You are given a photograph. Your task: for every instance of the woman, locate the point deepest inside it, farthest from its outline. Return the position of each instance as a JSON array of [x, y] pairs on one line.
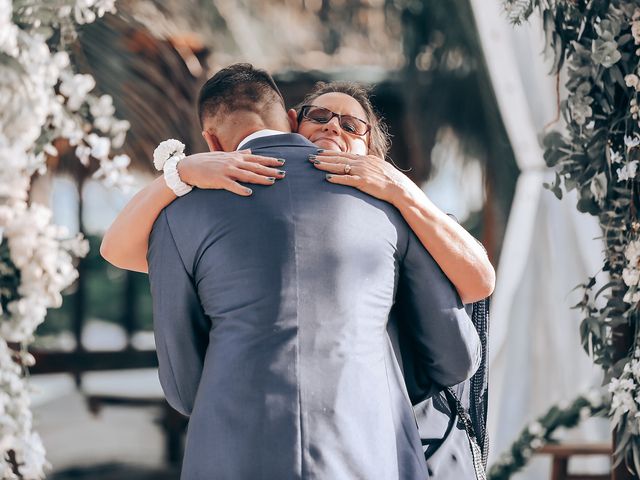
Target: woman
[[339, 118]]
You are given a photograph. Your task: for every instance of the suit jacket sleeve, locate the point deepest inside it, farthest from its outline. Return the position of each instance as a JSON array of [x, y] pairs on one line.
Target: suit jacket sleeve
[[440, 345], [181, 329]]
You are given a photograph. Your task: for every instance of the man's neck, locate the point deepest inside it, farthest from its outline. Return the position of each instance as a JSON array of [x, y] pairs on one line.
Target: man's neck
[[240, 125]]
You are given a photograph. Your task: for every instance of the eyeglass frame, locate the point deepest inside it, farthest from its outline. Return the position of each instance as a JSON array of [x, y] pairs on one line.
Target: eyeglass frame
[[301, 115]]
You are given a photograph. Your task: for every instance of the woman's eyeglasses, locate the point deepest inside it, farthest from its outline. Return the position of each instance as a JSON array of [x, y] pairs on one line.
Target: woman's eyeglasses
[[348, 123]]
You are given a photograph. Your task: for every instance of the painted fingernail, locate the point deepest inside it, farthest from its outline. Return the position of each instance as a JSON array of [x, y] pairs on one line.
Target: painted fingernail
[[312, 157], [248, 190], [272, 179], [281, 160], [320, 150], [316, 162], [329, 176], [281, 172]]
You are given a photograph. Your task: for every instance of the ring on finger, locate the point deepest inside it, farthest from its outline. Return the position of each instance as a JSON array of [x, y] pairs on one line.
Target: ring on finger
[[347, 168]]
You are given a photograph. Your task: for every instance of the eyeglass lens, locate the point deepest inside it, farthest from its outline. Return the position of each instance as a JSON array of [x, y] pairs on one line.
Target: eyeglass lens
[[348, 123]]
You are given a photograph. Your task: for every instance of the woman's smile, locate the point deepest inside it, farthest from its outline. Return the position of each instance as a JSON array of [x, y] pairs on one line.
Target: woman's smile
[[321, 141]]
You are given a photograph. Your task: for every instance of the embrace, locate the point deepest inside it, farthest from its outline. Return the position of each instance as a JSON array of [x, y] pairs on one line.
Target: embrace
[[309, 324]]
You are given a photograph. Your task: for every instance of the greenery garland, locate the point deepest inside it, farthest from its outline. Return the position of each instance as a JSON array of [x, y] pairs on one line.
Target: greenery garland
[[598, 154], [540, 432]]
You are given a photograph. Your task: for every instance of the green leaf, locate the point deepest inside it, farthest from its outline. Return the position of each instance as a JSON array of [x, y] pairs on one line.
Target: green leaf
[[624, 39], [555, 187], [617, 76]]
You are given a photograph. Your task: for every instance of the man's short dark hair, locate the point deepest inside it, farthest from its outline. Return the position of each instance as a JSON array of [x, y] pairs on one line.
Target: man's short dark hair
[[237, 87]]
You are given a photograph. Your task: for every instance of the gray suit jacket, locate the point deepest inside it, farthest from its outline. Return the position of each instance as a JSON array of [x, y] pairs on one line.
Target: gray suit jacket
[[270, 316], [444, 439]]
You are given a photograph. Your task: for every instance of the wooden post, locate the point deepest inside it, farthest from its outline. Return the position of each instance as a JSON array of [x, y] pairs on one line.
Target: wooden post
[[79, 297], [620, 472]]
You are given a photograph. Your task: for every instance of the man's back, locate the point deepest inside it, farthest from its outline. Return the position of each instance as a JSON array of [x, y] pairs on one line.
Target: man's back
[[288, 295]]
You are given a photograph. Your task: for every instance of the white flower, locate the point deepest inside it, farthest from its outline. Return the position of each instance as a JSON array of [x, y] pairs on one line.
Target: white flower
[[632, 252], [113, 172], [40, 251], [631, 276], [102, 106], [631, 80], [8, 30], [580, 108], [516, 10], [614, 156], [76, 88], [585, 412], [536, 443], [61, 60], [121, 161], [598, 187], [165, 151], [635, 31], [83, 153], [632, 142], [100, 146], [605, 52], [627, 384], [102, 110], [613, 384], [623, 402], [628, 171], [536, 429], [119, 131]]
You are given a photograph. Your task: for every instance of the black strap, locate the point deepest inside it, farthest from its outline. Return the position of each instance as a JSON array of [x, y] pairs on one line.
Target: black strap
[[475, 422], [438, 443], [479, 383], [476, 453]]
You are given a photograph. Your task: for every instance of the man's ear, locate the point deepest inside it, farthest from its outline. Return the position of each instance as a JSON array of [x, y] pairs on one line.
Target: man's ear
[[212, 141], [293, 119]]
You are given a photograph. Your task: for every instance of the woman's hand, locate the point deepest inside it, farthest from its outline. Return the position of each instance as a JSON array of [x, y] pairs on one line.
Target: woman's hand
[[462, 258], [223, 170], [368, 173]]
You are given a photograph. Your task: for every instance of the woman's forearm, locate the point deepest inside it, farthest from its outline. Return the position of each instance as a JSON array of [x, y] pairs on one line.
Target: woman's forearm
[[125, 243], [460, 256]]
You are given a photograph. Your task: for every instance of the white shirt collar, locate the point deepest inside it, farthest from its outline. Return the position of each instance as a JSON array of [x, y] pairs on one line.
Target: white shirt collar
[[260, 133]]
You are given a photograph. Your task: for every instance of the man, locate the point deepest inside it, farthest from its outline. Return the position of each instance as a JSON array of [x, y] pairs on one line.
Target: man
[[270, 317]]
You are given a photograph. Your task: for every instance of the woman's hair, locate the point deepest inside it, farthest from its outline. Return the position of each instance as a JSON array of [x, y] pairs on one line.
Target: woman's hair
[[379, 141]]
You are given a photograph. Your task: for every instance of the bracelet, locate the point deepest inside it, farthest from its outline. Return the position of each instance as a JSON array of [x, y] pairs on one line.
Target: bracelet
[[166, 157], [165, 151], [172, 178]]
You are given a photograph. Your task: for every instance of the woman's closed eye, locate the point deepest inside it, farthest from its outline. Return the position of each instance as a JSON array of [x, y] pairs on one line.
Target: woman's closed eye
[[348, 125]]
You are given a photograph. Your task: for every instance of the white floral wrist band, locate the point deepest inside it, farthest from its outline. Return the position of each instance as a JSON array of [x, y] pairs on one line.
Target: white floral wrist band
[[172, 177], [166, 157]]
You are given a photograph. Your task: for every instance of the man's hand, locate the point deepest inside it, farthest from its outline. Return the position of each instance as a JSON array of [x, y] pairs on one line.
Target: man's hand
[[223, 170]]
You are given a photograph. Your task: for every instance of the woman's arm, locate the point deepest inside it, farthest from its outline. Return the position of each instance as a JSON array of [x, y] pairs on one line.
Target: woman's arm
[[460, 256], [125, 243]]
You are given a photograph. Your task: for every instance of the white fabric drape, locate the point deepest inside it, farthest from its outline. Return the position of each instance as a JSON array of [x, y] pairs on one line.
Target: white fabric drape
[[536, 359]]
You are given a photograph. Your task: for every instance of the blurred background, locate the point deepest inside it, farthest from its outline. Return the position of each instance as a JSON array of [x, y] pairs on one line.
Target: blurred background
[[466, 97]]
